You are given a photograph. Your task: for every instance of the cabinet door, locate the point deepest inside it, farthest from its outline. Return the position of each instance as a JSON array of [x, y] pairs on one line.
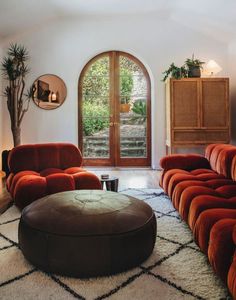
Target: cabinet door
[[185, 108], [215, 110]]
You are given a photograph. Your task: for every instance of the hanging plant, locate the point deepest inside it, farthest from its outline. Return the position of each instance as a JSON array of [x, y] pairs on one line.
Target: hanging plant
[[175, 72], [14, 70]]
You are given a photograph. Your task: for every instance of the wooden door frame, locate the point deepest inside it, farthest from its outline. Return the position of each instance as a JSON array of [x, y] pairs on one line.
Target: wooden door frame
[[115, 159]]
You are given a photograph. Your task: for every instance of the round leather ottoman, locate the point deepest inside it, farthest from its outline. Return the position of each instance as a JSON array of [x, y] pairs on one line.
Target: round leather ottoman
[[87, 233]]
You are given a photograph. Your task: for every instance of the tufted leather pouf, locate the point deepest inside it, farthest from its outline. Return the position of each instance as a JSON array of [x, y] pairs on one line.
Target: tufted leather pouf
[[87, 233]]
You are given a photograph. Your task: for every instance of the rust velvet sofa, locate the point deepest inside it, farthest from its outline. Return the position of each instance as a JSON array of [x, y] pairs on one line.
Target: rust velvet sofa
[[42, 169], [203, 190]]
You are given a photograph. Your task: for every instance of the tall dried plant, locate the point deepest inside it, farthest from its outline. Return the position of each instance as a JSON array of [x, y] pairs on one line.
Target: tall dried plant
[[14, 70]]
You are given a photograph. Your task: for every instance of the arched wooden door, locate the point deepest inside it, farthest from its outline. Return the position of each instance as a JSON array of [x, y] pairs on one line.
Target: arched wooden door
[[115, 111]]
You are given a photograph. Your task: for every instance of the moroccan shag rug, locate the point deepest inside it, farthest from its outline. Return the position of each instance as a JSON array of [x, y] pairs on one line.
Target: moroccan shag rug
[[175, 270]]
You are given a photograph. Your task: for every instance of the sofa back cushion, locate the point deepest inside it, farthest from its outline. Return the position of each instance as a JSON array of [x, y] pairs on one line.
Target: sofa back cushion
[[220, 157], [42, 156], [233, 171], [184, 162]]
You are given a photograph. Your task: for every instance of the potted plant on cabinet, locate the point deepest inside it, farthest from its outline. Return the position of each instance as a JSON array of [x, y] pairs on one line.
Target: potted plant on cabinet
[[194, 66]]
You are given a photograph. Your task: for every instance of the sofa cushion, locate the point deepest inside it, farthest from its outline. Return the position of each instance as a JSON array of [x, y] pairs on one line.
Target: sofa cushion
[[188, 192], [231, 280], [221, 246], [180, 177], [224, 161], [13, 179], [39, 157], [205, 223], [59, 183], [204, 202], [50, 171], [74, 170], [28, 189], [184, 161]]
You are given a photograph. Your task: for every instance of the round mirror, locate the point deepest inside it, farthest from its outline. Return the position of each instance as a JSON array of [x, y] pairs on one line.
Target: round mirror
[[49, 91]]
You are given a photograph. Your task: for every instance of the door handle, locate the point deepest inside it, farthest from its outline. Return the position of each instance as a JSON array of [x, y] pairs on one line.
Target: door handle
[[113, 123]]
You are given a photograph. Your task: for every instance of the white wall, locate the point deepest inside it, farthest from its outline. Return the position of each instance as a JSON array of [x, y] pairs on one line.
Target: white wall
[[65, 46], [232, 72]]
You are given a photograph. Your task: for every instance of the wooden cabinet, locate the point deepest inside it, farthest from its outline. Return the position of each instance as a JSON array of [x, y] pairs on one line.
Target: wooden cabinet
[[197, 112]]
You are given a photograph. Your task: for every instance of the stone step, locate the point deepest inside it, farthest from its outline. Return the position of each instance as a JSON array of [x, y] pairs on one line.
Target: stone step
[[105, 138], [122, 149], [133, 154], [131, 144], [134, 149], [92, 144], [123, 155], [129, 152]]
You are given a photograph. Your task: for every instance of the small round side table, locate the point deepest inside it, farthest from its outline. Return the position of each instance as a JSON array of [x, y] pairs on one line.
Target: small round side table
[[111, 183]]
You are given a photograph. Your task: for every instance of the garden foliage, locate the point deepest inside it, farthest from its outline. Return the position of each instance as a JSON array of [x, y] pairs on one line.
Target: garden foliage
[[96, 93]]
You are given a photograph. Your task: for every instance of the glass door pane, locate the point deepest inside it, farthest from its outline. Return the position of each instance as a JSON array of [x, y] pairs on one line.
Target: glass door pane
[[133, 109], [96, 109]]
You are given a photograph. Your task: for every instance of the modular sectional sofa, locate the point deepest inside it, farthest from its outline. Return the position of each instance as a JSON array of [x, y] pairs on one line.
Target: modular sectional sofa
[[203, 190], [42, 169]]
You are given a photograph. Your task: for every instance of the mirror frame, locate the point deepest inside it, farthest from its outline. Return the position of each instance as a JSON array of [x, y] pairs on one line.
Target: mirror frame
[[45, 85]]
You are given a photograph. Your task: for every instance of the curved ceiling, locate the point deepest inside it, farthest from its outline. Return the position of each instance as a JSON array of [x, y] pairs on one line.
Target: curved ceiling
[[217, 18]]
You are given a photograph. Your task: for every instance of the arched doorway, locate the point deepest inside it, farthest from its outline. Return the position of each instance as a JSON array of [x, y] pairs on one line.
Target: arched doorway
[[115, 111]]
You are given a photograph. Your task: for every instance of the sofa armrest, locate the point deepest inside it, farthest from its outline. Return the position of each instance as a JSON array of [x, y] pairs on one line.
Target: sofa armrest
[[184, 162]]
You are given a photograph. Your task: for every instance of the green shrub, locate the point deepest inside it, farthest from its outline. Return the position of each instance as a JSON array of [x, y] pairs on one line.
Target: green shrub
[[126, 85], [140, 110], [95, 117], [97, 83]]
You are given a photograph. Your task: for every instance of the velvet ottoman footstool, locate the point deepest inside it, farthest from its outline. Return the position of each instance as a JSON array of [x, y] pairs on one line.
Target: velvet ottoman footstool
[[86, 233]]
